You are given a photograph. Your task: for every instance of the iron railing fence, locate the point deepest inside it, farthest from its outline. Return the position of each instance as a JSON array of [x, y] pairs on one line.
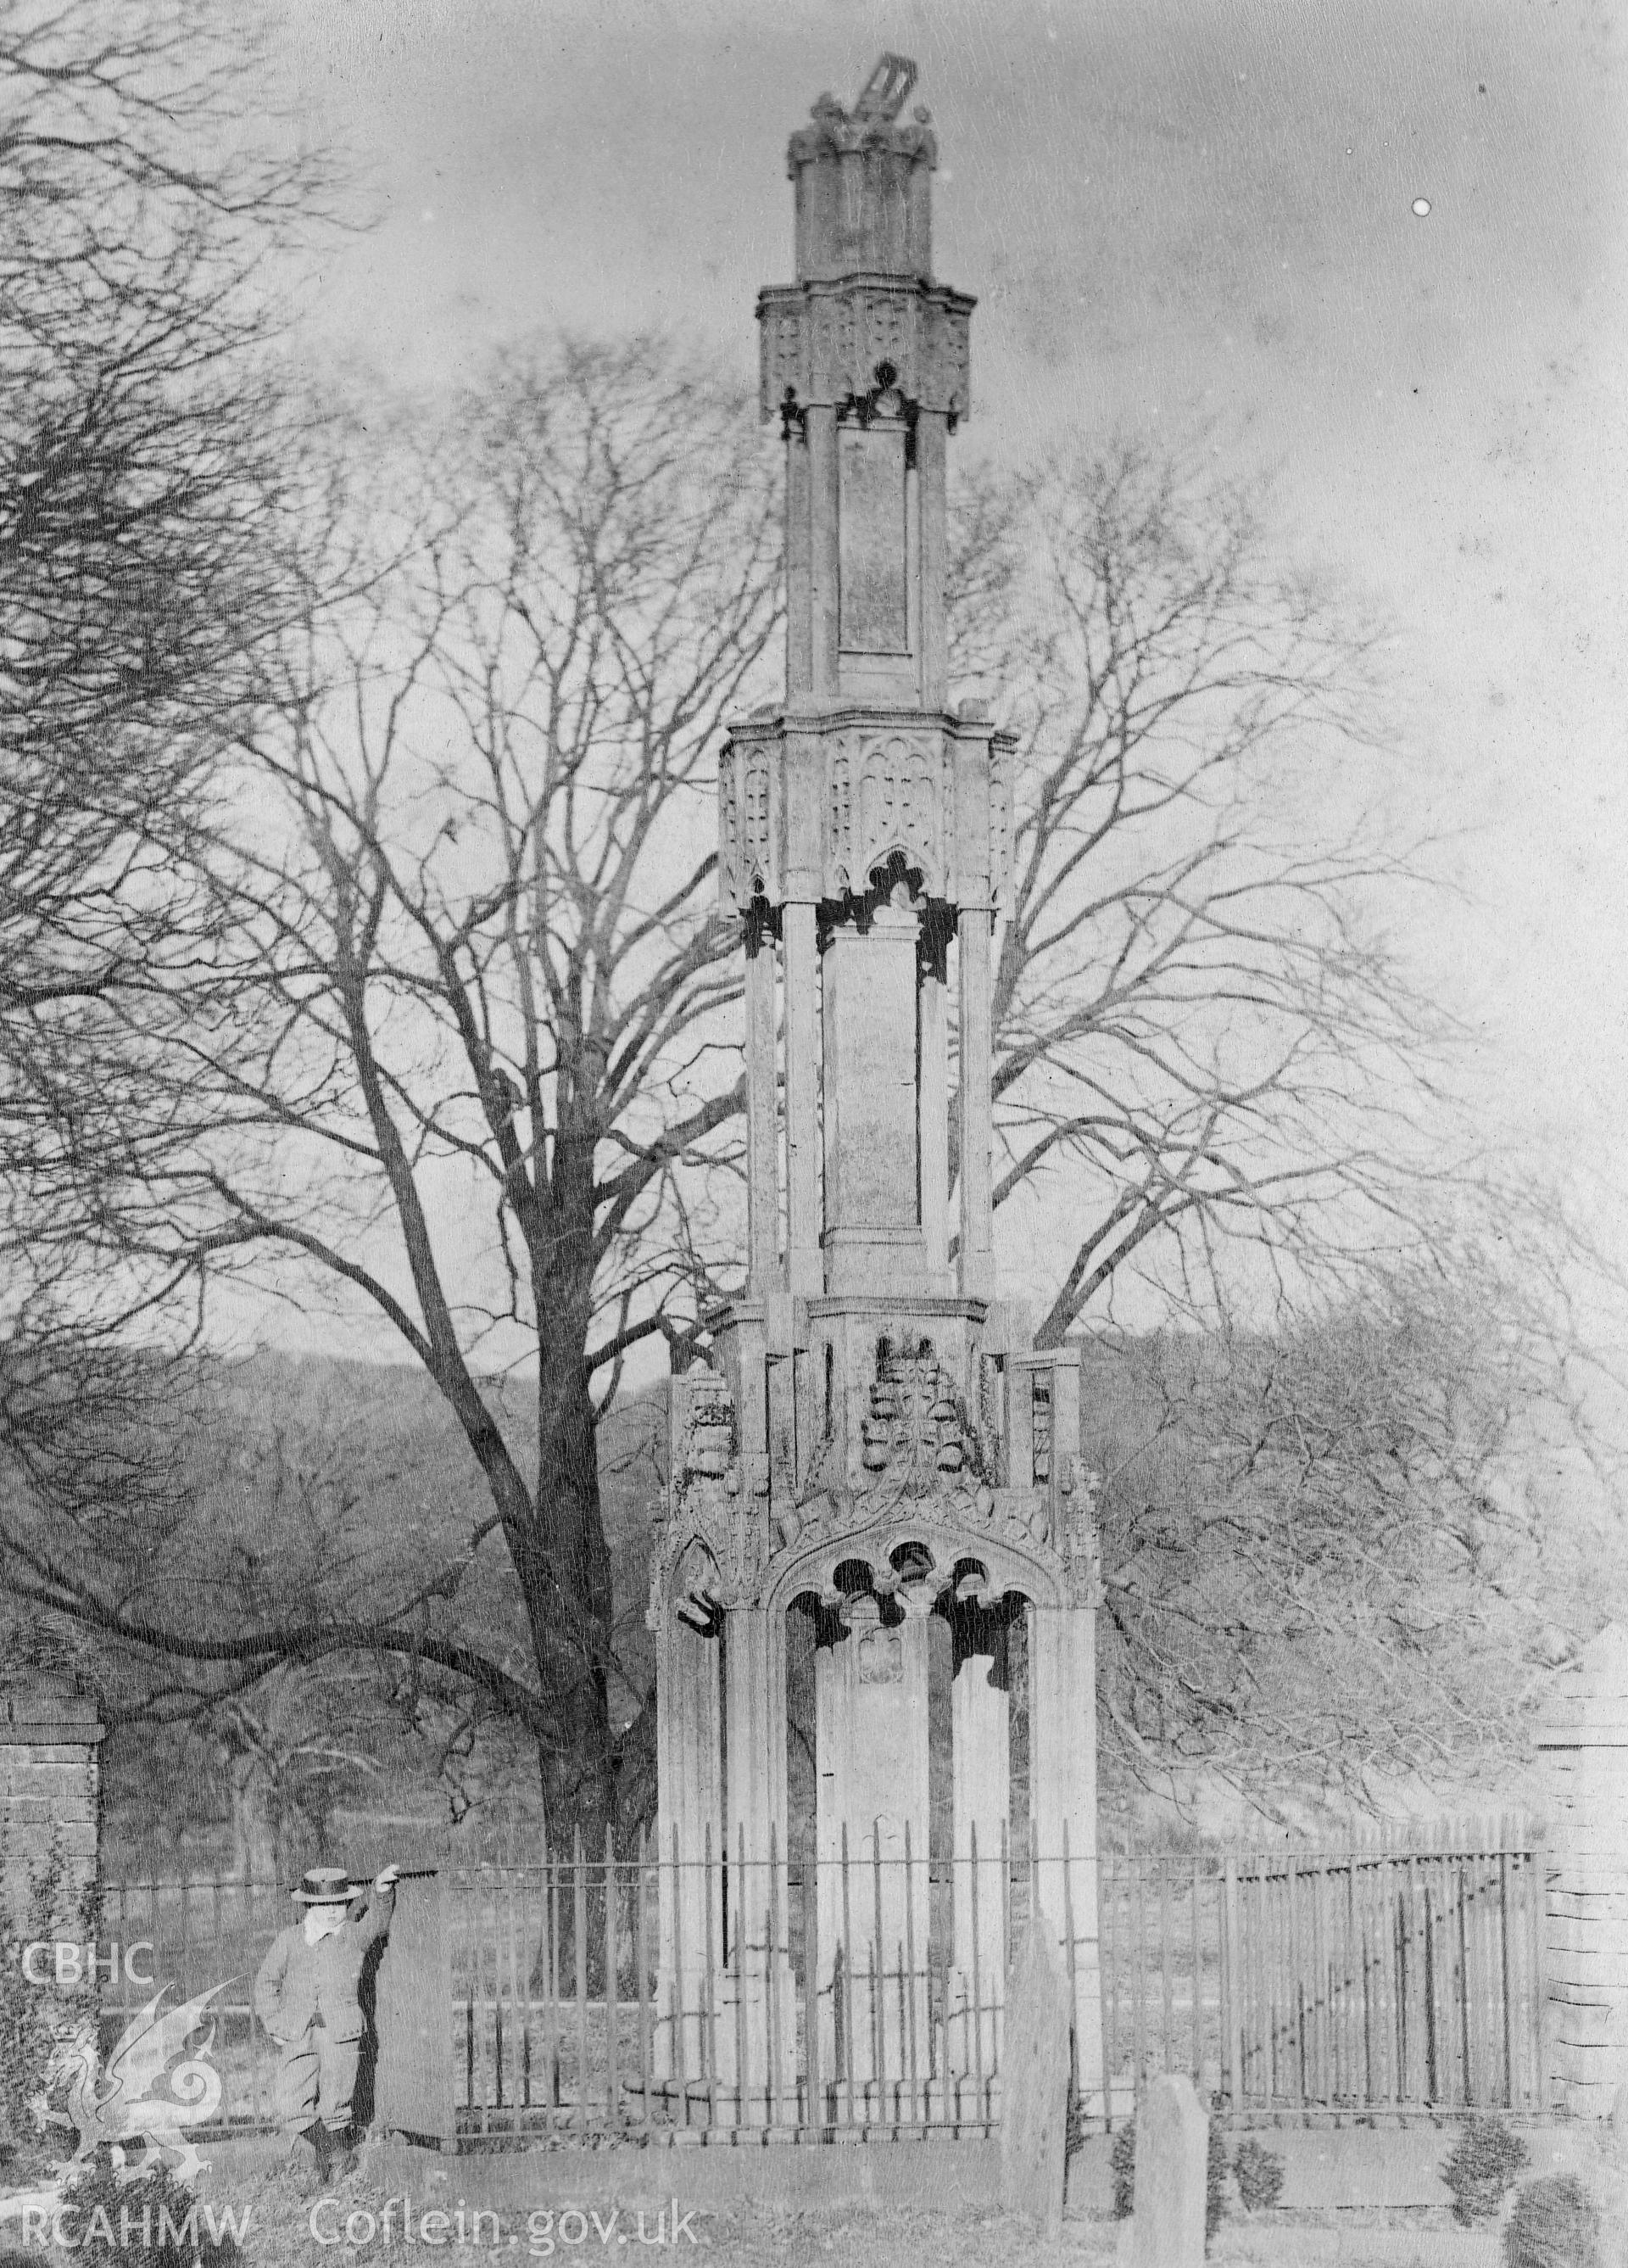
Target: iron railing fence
[[1389, 1977], [811, 1993], [864, 1993]]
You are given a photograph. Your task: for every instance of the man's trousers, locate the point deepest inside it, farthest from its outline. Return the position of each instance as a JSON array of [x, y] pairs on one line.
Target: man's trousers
[[315, 2077]]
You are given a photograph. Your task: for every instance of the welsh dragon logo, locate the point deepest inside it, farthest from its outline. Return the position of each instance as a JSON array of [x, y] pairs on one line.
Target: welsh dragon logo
[[124, 2106]]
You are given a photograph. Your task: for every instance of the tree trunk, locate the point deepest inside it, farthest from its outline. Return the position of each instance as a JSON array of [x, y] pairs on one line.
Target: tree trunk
[[254, 1821], [564, 1566], [635, 1777]]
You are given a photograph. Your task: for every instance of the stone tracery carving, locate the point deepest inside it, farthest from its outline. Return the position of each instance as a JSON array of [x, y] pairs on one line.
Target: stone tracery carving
[[714, 1499], [1000, 819], [1081, 1546], [757, 841], [729, 818], [917, 1445], [880, 1656], [880, 789], [900, 806], [821, 343], [921, 1477], [840, 838]]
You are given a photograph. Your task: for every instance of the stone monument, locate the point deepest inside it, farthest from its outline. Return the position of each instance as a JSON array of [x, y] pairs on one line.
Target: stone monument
[[871, 1450]]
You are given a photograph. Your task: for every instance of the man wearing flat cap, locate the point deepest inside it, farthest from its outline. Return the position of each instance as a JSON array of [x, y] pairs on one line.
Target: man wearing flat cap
[[307, 1997]]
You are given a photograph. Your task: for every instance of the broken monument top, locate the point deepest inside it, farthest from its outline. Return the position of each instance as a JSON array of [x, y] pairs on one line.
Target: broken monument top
[[861, 177]]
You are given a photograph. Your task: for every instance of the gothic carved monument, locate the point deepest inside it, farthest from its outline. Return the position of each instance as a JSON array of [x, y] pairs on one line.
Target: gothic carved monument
[[871, 1454]]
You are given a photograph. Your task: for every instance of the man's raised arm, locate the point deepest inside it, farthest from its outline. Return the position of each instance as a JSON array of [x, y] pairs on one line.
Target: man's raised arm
[[381, 1902]]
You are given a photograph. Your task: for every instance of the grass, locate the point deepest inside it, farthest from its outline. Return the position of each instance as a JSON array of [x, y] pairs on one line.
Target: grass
[[764, 2235], [272, 2211], [759, 2236]]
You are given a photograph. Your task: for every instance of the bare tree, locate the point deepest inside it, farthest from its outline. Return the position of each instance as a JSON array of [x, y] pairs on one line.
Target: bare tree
[[229, 1619], [1319, 1547], [149, 456], [142, 475], [1213, 1072], [484, 1042], [1340, 1557]]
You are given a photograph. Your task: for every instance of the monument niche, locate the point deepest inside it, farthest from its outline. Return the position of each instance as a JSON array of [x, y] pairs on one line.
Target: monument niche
[[872, 1451]]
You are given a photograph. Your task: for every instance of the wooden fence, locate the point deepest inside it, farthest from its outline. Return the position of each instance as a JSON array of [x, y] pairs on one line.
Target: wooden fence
[[1381, 1978], [1365, 1981]]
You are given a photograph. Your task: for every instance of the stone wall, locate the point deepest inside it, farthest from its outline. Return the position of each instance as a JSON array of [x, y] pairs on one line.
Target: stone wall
[[1584, 1748], [49, 1787]]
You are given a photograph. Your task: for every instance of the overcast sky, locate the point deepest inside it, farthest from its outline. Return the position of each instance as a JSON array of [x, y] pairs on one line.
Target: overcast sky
[[1170, 213]]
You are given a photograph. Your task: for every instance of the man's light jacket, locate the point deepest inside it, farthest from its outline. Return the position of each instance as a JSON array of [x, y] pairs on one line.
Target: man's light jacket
[[301, 1985]]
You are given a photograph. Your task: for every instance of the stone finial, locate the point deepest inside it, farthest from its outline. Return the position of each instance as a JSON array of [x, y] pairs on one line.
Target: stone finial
[[887, 90], [862, 181]]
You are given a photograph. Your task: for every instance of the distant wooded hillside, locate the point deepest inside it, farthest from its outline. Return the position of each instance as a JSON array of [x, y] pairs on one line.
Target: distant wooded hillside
[[366, 1461], [1321, 1562]]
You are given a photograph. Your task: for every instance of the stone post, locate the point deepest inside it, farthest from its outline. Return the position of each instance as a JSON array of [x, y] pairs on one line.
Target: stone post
[[414, 2080], [1034, 2080], [1584, 1748], [1019, 1426], [933, 1136], [799, 566], [762, 1128], [1172, 2146], [754, 1734], [754, 1828], [871, 1743], [980, 1774], [50, 1785], [805, 1266], [689, 1782], [977, 1223], [820, 425], [1062, 1772], [870, 1107], [934, 645], [1063, 1476]]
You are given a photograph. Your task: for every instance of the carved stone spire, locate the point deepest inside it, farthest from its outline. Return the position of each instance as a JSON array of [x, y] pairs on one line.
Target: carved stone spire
[[864, 358], [862, 823]]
